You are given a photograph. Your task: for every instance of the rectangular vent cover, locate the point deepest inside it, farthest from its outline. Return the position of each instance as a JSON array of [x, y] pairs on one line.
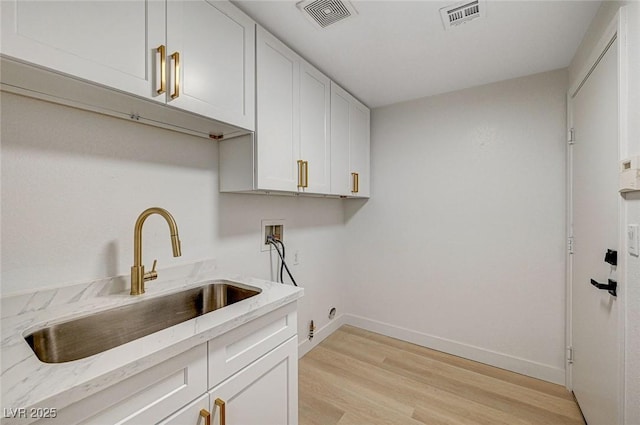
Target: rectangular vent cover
[[323, 13], [460, 13]]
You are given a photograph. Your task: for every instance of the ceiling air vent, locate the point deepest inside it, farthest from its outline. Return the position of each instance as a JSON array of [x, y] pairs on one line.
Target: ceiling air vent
[[460, 13], [323, 13]]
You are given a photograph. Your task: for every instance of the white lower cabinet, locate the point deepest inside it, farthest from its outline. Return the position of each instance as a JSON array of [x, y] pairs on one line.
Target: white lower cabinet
[[250, 373], [264, 393]]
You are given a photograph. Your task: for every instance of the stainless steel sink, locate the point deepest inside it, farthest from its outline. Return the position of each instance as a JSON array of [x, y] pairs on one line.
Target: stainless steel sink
[[89, 335]]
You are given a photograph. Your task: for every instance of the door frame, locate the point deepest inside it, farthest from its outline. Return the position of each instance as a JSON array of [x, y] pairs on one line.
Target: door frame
[[617, 29]]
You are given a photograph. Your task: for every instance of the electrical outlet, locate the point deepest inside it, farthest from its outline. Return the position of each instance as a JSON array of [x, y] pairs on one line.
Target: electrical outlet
[[296, 257], [273, 228]]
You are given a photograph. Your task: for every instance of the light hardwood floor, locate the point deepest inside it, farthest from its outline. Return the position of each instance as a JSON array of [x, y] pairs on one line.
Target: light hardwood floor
[[356, 377]]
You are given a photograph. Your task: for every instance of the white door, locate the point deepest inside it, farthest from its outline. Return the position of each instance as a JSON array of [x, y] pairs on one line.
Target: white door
[[278, 114], [113, 43], [216, 46], [594, 321], [315, 97]]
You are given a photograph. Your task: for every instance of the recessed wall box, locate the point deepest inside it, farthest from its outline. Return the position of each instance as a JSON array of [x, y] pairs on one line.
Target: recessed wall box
[[630, 174], [273, 228]]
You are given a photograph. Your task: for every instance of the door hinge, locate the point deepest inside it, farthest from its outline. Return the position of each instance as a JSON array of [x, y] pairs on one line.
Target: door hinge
[[570, 355], [570, 244], [572, 136]]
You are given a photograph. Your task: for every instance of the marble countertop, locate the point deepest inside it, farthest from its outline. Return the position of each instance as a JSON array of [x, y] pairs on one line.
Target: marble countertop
[[29, 383]]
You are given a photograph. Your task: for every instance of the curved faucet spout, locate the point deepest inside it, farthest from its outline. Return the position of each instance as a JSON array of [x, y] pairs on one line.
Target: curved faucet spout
[[138, 276]]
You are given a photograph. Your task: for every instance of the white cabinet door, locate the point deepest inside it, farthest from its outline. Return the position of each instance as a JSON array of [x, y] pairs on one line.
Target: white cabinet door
[[265, 392], [350, 145], [193, 414], [216, 62], [315, 149], [359, 145], [113, 43], [340, 104], [278, 109]]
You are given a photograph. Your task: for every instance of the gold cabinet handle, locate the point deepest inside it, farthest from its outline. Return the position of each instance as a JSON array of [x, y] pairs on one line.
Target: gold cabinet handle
[[223, 411], [306, 174], [206, 415], [162, 50], [300, 167], [176, 75], [355, 182]]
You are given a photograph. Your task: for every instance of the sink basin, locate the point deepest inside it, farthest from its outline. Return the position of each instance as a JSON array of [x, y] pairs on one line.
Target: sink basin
[[85, 336]]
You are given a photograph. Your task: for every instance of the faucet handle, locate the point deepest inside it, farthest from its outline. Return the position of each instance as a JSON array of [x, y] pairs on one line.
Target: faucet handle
[[153, 274]]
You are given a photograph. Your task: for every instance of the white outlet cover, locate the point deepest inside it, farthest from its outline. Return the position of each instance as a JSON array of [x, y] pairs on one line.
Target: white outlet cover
[[632, 240]]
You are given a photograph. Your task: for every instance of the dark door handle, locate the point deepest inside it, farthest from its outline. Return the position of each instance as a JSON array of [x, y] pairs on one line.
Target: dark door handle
[[611, 286]]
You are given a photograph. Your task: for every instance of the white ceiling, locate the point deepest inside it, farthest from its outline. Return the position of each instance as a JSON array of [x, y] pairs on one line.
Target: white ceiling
[[394, 51]]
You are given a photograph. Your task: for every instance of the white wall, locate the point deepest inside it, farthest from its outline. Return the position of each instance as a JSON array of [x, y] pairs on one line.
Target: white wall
[[74, 182], [631, 201], [461, 246]]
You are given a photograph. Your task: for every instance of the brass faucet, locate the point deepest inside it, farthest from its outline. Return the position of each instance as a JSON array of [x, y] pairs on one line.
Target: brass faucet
[[138, 276]]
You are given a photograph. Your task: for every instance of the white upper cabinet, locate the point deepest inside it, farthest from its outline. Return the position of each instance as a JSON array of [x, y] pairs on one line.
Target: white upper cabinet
[[312, 137], [292, 131], [214, 43], [350, 146], [315, 149], [139, 46], [278, 116], [111, 43]]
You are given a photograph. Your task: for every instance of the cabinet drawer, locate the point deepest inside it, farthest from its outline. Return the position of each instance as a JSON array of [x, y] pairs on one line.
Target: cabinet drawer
[[145, 398], [234, 350]]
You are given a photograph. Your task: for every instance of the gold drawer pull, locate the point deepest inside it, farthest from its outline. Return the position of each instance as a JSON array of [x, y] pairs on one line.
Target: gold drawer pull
[[300, 167], [206, 415], [223, 411], [355, 182], [306, 174], [163, 69], [176, 75]]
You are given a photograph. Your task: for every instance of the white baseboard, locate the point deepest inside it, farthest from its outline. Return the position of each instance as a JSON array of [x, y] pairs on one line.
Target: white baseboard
[[320, 334], [482, 355]]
